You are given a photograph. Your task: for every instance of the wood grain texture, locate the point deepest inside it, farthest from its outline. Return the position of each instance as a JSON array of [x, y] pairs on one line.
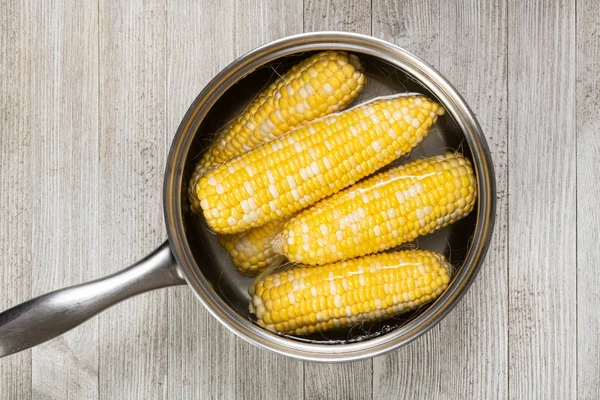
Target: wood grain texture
[[205, 359], [354, 380], [466, 355], [64, 124], [542, 228], [132, 134], [413, 25], [258, 22], [351, 381], [337, 15], [588, 193], [91, 95], [16, 203]]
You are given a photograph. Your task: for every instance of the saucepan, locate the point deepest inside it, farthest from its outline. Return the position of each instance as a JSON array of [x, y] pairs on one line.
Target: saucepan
[[192, 255]]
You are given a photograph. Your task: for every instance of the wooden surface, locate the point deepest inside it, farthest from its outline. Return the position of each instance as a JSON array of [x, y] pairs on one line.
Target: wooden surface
[[588, 192], [91, 94], [542, 239]]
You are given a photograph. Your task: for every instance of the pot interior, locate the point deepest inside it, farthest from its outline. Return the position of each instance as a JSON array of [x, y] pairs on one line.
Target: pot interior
[[383, 79]]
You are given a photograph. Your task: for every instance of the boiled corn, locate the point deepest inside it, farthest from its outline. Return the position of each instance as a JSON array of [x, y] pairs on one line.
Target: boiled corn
[[304, 300], [323, 83], [311, 162], [384, 211], [251, 251]]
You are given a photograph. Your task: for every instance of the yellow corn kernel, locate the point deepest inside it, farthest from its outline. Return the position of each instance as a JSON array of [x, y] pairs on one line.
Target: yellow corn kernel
[[251, 251], [382, 212], [341, 305], [322, 84], [311, 162]]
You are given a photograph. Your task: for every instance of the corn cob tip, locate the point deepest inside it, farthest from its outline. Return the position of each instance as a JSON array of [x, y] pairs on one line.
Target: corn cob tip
[[277, 243], [445, 264], [251, 251], [355, 62]]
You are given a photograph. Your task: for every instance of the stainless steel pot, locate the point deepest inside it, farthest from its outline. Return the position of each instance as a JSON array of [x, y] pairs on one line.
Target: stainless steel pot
[[192, 255]]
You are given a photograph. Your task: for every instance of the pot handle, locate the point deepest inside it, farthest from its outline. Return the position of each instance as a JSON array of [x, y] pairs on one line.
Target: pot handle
[[50, 315]]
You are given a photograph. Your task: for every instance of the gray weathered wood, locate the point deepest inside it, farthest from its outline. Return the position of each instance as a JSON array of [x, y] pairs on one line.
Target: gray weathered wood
[[337, 15], [205, 359], [352, 381], [412, 24], [133, 335], [16, 202], [542, 216], [588, 193], [64, 125], [91, 95], [261, 21], [355, 380]]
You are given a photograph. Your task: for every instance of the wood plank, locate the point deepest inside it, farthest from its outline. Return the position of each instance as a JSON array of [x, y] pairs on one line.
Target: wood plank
[[411, 24], [352, 380], [48, 143], [261, 21], [133, 335], [16, 203], [588, 192], [542, 233], [196, 339], [64, 122], [338, 15], [339, 381], [261, 374]]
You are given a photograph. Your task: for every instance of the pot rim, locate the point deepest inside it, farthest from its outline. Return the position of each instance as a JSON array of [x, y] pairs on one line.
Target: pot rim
[[452, 102]]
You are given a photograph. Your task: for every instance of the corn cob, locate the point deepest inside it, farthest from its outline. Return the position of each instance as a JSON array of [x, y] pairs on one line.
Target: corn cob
[[384, 211], [311, 162], [251, 251], [305, 299], [323, 83]]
